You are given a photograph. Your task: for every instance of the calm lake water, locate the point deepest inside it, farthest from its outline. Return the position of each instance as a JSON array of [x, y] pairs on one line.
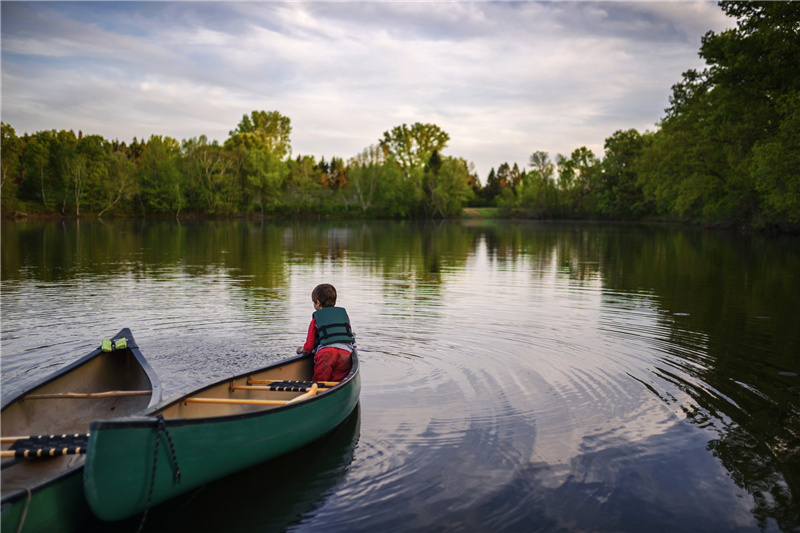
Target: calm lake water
[[517, 376]]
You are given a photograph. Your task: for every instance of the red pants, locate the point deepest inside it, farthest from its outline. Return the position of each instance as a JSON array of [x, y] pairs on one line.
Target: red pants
[[331, 364]]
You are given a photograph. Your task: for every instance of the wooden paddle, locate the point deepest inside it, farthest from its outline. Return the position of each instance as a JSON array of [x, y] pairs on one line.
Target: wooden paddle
[[309, 394]]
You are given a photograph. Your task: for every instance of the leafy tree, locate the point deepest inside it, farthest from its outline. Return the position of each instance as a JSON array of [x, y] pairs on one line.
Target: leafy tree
[[121, 184], [620, 193], [496, 182], [366, 171], [776, 169], [265, 176], [412, 146], [62, 150], [89, 172], [10, 173], [542, 170], [37, 165], [447, 186], [265, 130], [336, 176], [159, 176], [209, 169], [305, 191], [503, 186], [719, 116], [577, 178]]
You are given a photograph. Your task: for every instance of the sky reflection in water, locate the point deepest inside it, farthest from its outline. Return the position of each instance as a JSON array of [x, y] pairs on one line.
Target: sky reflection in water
[[516, 376]]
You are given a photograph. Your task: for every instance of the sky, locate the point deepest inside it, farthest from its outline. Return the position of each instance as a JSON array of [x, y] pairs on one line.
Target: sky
[[503, 79]]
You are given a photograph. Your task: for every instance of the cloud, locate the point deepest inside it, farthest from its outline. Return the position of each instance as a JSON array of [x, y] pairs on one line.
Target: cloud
[[502, 78]]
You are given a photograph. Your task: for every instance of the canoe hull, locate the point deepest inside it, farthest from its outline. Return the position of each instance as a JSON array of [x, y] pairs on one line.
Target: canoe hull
[[59, 507], [119, 464], [47, 494]]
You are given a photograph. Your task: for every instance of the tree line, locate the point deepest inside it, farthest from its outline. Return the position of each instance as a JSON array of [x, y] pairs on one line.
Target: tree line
[[727, 152], [252, 172]]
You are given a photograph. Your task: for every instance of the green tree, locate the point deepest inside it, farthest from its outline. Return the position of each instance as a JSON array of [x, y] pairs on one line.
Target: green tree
[[265, 176], [719, 116], [577, 178], [121, 185], [38, 167], [159, 176], [75, 166], [497, 182], [209, 171], [412, 146], [336, 176], [89, 168], [366, 171], [266, 130], [304, 192], [62, 149], [620, 193], [776, 169], [447, 186], [503, 187], [542, 170], [10, 166]]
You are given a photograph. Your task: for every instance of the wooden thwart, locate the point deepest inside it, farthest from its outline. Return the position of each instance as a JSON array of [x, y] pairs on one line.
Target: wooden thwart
[[76, 395], [8, 440], [11, 440], [231, 401]]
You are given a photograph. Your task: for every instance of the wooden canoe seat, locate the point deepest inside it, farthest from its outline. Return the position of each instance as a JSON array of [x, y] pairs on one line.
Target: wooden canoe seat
[[289, 383], [46, 445]]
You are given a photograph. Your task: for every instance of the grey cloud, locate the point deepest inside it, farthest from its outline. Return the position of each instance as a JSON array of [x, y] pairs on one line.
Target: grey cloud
[[503, 78]]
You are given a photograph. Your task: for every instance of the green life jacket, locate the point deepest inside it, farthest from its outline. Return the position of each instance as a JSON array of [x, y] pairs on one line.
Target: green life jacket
[[333, 326]]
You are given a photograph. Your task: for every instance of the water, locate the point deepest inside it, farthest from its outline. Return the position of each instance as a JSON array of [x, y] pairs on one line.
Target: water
[[516, 376]]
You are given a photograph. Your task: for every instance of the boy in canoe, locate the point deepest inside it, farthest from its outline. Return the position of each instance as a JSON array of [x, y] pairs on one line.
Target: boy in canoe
[[330, 337]]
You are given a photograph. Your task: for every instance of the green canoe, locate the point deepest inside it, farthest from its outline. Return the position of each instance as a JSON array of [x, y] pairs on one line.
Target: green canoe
[[42, 477], [136, 462]]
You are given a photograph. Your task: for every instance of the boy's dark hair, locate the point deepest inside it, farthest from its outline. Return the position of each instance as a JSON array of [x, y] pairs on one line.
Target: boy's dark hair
[[325, 293]]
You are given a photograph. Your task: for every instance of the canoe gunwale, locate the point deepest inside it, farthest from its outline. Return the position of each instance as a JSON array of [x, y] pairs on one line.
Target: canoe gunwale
[[148, 418]]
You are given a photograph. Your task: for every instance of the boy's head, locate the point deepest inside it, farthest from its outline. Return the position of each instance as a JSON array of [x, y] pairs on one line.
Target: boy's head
[[325, 294]]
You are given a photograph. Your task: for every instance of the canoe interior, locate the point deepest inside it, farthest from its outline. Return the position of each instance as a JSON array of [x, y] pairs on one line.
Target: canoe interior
[[108, 371], [294, 370]]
